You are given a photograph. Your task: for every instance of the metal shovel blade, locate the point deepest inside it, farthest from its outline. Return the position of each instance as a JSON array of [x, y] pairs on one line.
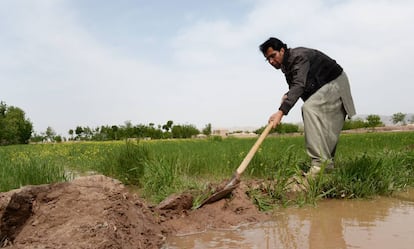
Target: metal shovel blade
[[221, 193]]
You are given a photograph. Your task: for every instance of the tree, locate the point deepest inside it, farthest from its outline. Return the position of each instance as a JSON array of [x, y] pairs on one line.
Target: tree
[[184, 131], [351, 124], [167, 126], [59, 138], [87, 133], [37, 138], [3, 109], [281, 128], [71, 134], [129, 129], [398, 118], [115, 131], [286, 128], [50, 134], [374, 121], [207, 130], [78, 132], [15, 128]]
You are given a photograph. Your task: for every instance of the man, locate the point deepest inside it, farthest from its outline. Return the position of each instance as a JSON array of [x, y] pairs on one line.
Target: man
[[323, 86]]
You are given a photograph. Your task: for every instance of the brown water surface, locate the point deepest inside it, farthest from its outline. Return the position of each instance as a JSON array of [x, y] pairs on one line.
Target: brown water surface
[[381, 223]]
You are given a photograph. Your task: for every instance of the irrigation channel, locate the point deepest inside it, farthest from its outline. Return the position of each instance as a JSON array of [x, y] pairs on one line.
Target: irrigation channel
[[381, 223]]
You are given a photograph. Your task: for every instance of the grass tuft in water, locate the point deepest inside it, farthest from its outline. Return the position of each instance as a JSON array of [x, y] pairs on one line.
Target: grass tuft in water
[[368, 175], [363, 176]]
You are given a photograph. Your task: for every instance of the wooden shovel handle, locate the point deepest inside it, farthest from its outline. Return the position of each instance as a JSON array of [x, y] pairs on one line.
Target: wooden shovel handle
[[253, 150]]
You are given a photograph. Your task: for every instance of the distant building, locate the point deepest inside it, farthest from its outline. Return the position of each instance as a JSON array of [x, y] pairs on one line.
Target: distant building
[[201, 136], [220, 132]]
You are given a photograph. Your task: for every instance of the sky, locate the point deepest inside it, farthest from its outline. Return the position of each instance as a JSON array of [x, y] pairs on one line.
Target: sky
[[70, 63]]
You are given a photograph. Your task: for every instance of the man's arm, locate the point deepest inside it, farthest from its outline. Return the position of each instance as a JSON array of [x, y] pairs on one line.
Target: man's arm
[[296, 83]]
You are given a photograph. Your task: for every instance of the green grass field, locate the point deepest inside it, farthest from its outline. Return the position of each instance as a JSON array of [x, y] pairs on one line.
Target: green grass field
[[366, 164]]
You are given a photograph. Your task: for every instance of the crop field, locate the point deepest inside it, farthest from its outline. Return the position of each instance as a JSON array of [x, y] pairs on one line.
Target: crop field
[[366, 164]]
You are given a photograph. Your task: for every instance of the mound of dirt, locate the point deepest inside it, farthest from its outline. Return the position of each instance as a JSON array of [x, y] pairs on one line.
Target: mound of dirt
[[89, 212], [99, 212]]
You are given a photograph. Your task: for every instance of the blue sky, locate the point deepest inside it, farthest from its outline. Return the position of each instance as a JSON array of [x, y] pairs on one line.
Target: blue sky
[[90, 63]]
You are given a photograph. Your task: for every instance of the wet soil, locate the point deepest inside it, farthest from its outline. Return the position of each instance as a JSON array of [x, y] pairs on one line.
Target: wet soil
[[99, 212]]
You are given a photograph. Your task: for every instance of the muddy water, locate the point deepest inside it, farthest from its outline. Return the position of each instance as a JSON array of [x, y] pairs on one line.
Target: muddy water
[[380, 223]]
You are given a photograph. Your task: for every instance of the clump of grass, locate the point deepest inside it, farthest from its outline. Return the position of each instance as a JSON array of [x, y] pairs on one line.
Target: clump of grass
[[370, 175], [317, 188], [126, 163], [160, 179], [164, 177], [363, 176], [273, 191]]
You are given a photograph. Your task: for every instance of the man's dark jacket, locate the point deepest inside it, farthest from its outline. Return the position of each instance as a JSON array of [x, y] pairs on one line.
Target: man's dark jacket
[[306, 70]]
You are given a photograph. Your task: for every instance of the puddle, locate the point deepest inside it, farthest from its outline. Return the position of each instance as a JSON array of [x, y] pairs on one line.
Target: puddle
[[381, 223]]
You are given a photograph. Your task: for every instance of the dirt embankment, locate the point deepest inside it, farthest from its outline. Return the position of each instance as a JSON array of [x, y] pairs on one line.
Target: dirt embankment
[[99, 212]]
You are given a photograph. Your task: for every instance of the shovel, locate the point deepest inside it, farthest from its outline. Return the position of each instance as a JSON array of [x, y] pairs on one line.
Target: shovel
[[234, 182]]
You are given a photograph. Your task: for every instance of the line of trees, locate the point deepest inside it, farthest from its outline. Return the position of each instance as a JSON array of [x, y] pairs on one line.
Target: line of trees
[[141, 131], [282, 128], [370, 122], [374, 120]]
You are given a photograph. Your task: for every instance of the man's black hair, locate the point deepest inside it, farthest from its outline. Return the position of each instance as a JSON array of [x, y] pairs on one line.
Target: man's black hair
[[274, 43]]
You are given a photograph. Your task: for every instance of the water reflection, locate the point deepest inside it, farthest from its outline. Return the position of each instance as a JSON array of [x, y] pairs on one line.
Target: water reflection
[[379, 223]]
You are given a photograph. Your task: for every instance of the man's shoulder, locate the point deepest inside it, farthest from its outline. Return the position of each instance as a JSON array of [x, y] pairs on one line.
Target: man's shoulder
[[304, 53], [302, 50], [299, 55]]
